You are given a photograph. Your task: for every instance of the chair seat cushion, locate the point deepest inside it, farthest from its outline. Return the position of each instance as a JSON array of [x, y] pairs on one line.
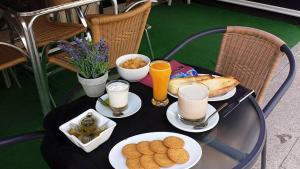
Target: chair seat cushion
[[47, 31], [10, 57]]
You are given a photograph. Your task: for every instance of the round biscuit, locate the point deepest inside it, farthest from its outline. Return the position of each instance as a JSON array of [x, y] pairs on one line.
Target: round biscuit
[[163, 160], [130, 151], [133, 163], [157, 146], [148, 162], [179, 156], [144, 148], [173, 142]]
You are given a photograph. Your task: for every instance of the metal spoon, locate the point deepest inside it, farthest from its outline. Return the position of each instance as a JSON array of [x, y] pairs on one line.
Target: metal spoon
[[205, 123], [115, 113]]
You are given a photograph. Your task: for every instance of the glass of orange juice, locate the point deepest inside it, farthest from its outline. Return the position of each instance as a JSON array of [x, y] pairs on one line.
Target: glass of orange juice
[[160, 72]]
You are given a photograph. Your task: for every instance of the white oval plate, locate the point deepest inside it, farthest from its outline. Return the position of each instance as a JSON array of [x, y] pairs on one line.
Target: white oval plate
[[172, 116], [134, 105], [118, 161], [217, 98]]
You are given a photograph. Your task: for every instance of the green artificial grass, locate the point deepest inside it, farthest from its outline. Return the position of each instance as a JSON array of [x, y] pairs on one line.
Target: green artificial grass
[[20, 107]]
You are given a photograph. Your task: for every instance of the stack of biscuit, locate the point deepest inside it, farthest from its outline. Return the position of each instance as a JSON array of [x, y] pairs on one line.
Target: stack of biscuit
[[155, 154]]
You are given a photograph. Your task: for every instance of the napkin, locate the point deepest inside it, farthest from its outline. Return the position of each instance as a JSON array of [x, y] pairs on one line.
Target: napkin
[[174, 66]]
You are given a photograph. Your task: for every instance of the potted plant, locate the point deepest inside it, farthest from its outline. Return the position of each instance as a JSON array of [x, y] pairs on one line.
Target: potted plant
[[91, 61]]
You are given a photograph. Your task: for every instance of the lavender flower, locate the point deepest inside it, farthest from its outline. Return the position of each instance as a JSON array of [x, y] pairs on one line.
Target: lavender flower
[[90, 60], [103, 49], [82, 45], [70, 50]]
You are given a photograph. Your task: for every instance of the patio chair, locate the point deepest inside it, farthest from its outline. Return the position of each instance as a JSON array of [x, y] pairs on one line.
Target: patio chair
[[47, 30], [147, 27], [122, 32], [10, 56], [250, 55]]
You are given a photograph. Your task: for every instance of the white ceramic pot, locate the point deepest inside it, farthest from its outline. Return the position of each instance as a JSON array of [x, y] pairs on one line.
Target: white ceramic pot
[[93, 87]]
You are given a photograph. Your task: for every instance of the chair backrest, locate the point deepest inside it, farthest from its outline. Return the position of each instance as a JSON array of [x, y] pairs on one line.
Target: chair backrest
[[122, 32], [250, 55]]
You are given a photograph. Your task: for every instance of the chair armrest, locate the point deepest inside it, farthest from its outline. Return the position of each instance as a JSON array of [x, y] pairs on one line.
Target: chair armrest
[[21, 138], [285, 85]]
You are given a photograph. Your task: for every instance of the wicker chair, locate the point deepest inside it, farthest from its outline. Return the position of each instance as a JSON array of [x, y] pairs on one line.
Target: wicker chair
[[47, 31], [134, 5], [251, 55], [122, 32], [10, 56]]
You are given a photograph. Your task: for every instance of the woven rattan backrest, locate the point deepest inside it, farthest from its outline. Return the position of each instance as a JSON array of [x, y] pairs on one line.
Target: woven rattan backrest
[[122, 32], [250, 55]]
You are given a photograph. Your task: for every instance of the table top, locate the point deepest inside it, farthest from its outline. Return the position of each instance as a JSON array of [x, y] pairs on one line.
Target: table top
[[235, 142]]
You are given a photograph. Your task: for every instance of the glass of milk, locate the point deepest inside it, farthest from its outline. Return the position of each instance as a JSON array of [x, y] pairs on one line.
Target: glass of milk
[[117, 91], [192, 102]]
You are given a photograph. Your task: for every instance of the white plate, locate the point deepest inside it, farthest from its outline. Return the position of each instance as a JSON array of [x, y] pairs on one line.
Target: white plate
[[118, 161], [217, 98], [134, 105], [172, 115]]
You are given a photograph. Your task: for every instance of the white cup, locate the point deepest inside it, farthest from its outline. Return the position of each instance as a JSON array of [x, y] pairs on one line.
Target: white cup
[[193, 101], [117, 91]]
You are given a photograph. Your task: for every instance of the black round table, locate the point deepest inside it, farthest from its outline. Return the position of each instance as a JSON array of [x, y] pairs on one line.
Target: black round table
[[235, 142]]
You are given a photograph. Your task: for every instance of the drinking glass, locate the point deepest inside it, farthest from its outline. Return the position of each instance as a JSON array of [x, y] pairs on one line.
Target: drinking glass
[[117, 91], [192, 102], [160, 72]]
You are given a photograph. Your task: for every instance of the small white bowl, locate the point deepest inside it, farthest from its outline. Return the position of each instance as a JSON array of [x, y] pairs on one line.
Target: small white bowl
[[133, 75], [104, 136]]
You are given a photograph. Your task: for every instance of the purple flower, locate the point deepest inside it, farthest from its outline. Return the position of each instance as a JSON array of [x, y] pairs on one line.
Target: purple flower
[[103, 49], [83, 45], [69, 49]]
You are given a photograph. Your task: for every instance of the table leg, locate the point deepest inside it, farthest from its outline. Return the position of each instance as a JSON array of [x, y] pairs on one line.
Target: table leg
[[42, 87]]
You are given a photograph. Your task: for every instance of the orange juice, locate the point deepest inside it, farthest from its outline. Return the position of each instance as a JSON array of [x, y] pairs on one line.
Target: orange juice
[[160, 72]]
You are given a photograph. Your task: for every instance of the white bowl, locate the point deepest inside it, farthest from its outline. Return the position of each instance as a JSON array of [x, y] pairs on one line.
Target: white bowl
[[104, 136], [133, 75]]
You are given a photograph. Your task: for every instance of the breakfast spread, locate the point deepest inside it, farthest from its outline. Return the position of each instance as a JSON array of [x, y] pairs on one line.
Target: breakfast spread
[[217, 85], [87, 129], [134, 63], [155, 154]]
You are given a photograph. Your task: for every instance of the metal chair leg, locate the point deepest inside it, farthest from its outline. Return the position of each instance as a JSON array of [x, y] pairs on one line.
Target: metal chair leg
[[148, 41], [169, 2], [264, 157], [14, 76], [7, 80], [188, 2]]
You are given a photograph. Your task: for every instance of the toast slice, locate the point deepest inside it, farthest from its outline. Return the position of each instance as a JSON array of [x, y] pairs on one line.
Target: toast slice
[[217, 85], [220, 85], [174, 84]]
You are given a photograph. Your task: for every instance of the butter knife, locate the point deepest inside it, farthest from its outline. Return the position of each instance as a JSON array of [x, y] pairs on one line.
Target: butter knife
[[234, 104]]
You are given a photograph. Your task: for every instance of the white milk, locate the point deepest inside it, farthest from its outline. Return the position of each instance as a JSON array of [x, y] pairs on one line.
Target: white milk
[[117, 94], [192, 101]]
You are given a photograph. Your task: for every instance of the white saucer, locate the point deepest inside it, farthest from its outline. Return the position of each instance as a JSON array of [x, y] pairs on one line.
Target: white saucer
[[172, 115], [216, 98], [134, 105], [117, 160]]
